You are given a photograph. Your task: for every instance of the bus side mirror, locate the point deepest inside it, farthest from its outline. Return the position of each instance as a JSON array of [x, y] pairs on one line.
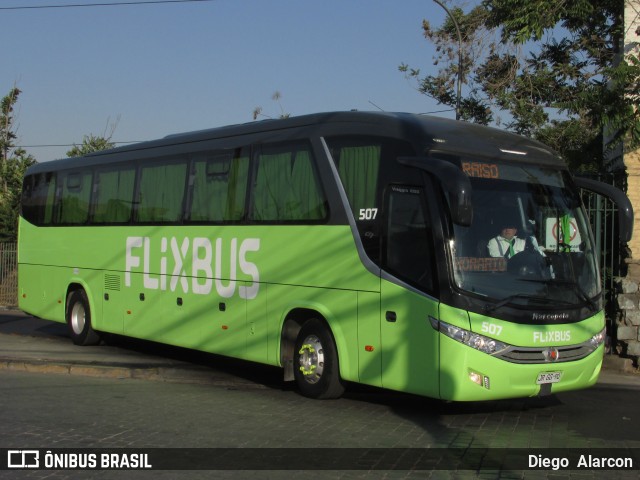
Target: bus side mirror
[[625, 209], [455, 183]]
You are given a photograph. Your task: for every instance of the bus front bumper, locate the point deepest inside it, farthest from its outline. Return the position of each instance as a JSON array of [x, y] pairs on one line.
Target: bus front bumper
[[467, 374]]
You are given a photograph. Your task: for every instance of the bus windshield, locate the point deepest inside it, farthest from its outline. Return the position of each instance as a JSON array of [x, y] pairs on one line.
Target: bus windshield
[[529, 242]]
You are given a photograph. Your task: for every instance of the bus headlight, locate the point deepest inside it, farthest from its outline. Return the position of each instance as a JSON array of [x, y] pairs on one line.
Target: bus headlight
[[598, 338], [484, 344]]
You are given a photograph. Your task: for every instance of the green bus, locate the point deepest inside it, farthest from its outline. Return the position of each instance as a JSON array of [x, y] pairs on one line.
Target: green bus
[[341, 247]]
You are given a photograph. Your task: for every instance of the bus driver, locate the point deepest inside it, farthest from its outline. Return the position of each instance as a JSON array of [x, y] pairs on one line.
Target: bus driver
[[507, 243]]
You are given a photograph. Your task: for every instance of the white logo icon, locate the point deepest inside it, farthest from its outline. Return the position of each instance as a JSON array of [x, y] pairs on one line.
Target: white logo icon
[[23, 459]]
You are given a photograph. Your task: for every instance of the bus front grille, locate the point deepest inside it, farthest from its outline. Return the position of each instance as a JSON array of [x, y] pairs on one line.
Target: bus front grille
[[567, 353]]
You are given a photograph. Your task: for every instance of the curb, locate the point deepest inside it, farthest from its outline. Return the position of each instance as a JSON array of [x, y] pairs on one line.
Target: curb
[[158, 374]]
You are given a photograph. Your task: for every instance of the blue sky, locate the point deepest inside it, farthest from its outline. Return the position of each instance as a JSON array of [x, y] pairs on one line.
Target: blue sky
[[171, 68]]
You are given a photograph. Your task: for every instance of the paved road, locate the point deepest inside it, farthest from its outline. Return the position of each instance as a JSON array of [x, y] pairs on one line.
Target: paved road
[[203, 401]]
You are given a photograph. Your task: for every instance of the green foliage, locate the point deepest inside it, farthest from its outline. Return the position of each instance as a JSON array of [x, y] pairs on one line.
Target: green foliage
[[442, 86], [7, 135], [90, 143], [13, 164], [619, 111], [551, 68], [12, 173]]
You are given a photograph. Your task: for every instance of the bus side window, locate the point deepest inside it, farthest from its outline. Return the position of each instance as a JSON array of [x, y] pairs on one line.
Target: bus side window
[[358, 167], [161, 192], [113, 199], [408, 251], [38, 198], [219, 186], [361, 162], [74, 198], [286, 187]]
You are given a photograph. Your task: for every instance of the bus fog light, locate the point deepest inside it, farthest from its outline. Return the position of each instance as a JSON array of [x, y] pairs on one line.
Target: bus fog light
[[479, 379]]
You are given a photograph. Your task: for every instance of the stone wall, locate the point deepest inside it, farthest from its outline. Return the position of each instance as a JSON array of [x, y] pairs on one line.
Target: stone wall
[[632, 164], [628, 297], [628, 319]]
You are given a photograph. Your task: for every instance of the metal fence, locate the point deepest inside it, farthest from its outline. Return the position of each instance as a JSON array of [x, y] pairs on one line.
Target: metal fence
[[603, 216], [8, 274]]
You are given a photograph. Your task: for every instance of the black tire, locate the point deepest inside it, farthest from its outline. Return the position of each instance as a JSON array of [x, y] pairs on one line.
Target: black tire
[[315, 362], [78, 316]]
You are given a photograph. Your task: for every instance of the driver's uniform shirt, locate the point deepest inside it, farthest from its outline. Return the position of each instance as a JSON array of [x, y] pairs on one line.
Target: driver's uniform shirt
[[501, 247]]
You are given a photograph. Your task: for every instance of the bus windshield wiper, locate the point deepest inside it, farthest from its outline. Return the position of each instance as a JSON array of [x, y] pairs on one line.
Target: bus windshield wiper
[[575, 286], [579, 291], [490, 308]]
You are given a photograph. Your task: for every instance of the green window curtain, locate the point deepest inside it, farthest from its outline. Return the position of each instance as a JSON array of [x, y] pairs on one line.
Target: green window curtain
[[237, 192], [50, 188], [304, 185], [271, 192], [209, 195], [286, 188], [76, 193], [358, 169], [114, 196], [162, 190], [219, 190]]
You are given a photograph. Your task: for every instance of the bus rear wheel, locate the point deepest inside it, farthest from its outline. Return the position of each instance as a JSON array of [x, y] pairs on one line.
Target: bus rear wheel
[[315, 362], [78, 316]]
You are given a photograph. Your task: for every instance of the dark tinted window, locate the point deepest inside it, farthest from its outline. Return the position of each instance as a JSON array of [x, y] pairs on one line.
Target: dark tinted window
[[37, 198], [408, 251]]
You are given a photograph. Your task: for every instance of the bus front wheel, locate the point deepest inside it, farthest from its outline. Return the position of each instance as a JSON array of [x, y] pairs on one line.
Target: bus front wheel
[[79, 319], [315, 362]]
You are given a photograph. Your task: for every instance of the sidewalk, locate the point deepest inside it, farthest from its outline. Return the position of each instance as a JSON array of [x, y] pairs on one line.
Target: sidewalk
[[34, 345]]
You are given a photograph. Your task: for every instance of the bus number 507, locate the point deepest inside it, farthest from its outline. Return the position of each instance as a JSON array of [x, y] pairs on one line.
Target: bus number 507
[[368, 214]]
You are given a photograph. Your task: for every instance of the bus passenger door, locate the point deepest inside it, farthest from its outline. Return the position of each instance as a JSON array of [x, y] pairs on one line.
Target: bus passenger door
[[410, 355]]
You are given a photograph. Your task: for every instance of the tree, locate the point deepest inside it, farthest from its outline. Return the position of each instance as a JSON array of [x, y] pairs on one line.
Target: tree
[[442, 85], [14, 162], [7, 135], [93, 143], [90, 143], [553, 68]]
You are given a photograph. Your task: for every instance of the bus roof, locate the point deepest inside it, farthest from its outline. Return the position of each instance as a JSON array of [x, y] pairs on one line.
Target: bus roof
[[434, 133]]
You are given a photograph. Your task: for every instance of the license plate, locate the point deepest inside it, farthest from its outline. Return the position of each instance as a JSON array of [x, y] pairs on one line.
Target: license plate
[[548, 377]]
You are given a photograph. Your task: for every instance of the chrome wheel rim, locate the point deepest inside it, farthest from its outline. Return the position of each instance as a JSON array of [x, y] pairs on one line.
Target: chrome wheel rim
[[78, 318], [311, 359]]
